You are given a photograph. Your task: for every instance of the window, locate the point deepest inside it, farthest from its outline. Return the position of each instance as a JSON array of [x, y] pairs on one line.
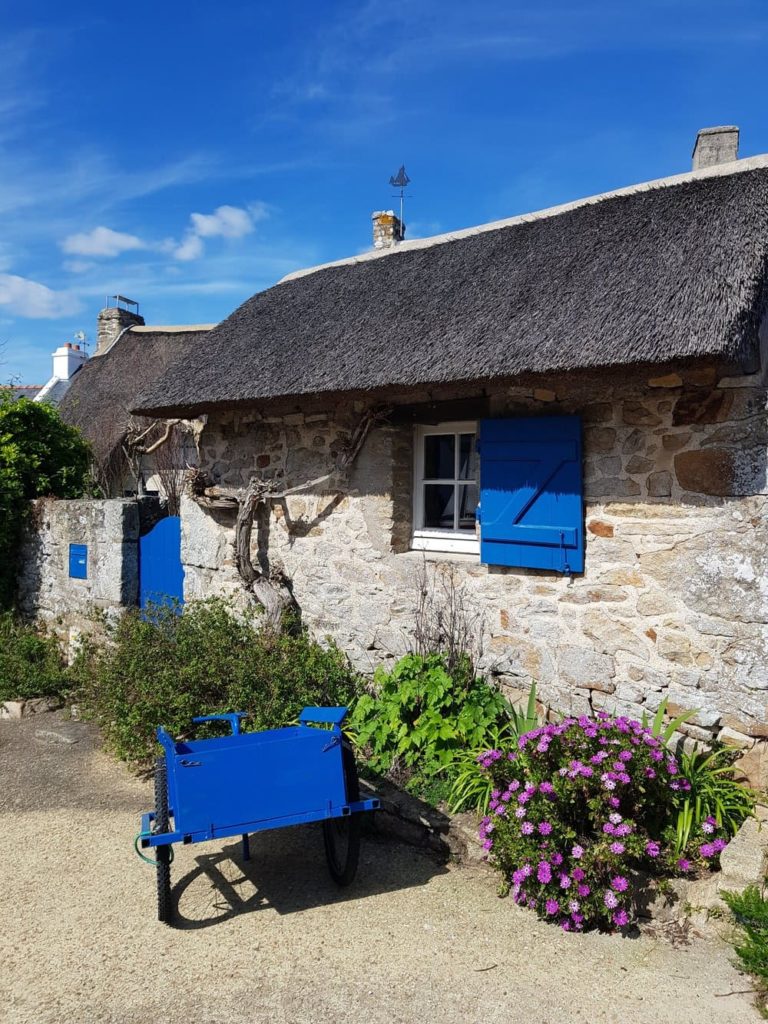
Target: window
[[446, 488]]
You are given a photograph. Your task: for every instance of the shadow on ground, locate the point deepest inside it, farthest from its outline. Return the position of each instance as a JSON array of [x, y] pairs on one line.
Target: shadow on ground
[[287, 873]]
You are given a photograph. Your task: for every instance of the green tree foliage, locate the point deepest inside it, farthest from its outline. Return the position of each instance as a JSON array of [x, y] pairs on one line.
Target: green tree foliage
[[40, 456]]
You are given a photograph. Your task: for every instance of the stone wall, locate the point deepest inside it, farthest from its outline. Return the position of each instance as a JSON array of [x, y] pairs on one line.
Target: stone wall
[[674, 598], [110, 529]]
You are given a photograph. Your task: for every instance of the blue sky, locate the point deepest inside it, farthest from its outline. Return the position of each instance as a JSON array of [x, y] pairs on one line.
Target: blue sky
[[189, 155]]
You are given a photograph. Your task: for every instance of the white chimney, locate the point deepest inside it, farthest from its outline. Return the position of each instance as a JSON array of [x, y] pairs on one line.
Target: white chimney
[[716, 146], [67, 360]]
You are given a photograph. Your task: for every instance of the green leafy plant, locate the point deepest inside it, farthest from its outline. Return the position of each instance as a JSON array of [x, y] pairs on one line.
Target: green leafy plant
[[40, 456], [472, 785], [714, 793], [750, 912], [664, 730], [422, 715], [31, 662], [165, 668]]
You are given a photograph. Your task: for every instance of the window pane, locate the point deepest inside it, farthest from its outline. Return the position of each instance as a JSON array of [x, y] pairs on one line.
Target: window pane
[[468, 498], [438, 506], [467, 457], [439, 457]]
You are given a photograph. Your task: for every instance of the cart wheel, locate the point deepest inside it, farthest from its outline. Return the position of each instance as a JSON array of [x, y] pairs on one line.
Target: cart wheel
[[342, 835], [162, 853]]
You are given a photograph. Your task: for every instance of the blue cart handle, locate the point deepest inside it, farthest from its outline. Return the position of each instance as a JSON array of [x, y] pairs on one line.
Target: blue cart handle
[[328, 716], [233, 719]]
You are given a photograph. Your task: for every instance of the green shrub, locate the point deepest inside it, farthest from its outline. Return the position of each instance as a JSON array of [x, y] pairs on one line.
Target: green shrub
[[31, 662], [40, 456], [420, 718], [167, 668], [750, 911]]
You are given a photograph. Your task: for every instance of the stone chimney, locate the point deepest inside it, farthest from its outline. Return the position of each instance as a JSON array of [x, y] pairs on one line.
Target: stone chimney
[[716, 146], [112, 321], [388, 229], [67, 360]]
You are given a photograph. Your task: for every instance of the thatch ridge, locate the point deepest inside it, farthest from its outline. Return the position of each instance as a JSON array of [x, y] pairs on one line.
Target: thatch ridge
[[648, 275]]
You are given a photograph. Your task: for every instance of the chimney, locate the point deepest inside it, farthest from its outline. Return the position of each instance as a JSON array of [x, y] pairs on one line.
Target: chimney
[[388, 229], [716, 146], [67, 360], [113, 320]]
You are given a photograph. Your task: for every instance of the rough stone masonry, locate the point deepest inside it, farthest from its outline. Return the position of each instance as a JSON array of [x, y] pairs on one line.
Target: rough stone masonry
[[674, 598]]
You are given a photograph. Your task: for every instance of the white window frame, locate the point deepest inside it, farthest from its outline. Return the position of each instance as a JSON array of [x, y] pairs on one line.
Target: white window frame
[[424, 538]]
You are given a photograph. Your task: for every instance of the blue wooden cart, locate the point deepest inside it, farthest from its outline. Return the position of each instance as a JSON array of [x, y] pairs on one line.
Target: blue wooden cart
[[250, 782]]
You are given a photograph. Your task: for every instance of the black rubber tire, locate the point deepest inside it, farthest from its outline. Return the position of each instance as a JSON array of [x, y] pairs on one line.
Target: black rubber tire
[[342, 835], [162, 853]]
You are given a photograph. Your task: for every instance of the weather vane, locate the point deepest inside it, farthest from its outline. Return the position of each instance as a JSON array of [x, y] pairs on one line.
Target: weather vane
[[400, 180]]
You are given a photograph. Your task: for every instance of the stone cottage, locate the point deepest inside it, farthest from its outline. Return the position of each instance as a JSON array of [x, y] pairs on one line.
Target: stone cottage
[[592, 377]]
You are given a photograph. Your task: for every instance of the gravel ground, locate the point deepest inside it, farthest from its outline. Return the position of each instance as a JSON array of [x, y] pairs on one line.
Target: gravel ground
[[274, 940]]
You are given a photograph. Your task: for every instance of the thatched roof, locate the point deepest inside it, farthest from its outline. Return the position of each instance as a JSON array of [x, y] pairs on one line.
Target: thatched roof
[[676, 269], [103, 391]]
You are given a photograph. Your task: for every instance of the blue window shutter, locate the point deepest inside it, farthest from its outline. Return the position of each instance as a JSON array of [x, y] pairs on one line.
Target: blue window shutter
[[531, 494], [78, 561]]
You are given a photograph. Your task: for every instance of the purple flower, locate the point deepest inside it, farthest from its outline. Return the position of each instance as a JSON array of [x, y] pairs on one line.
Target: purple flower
[[683, 864], [583, 890], [608, 828], [652, 848], [546, 788], [544, 872], [577, 852], [707, 850], [615, 818], [619, 883], [621, 918], [613, 801], [557, 859], [617, 848], [519, 812], [610, 900], [623, 830], [545, 828], [707, 827], [565, 881], [719, 845], [578, 874], [574, 906], [625, 755], [527, 828], [650, 773], [657, 755], [552, 906]]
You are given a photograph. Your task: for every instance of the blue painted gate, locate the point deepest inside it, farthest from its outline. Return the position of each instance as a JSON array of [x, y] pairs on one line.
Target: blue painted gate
[[161, 574]]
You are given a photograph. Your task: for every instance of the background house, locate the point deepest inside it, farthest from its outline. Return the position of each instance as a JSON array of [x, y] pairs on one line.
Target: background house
[[129, 357]]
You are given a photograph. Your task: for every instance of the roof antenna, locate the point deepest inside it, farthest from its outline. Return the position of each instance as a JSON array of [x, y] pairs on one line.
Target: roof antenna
[[401, 181]]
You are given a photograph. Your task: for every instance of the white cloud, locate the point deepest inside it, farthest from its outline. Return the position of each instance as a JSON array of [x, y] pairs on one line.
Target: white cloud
[[224, 222], [27, 298], [191, 248], [78, 266], [100, 242]]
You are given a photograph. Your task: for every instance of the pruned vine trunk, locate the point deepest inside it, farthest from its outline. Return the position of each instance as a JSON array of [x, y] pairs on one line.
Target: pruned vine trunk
[[269, 584]]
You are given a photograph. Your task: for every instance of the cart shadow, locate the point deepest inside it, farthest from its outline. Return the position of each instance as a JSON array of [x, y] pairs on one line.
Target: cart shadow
[[287, 873]]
